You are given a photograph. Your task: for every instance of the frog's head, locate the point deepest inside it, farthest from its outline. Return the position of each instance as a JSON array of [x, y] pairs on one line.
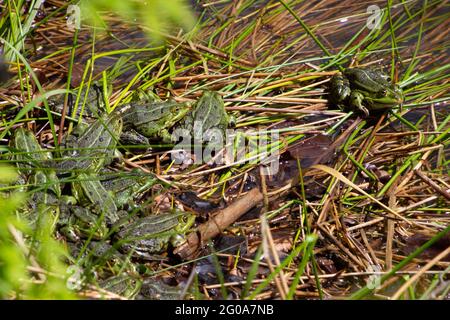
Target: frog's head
[[185, 223], [388, 97], [114, 123], [178, 111], [374, 87], [209, 95], [208, 100]]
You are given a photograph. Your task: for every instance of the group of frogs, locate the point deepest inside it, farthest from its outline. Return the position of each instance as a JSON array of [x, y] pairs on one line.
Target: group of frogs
[[97, 195], [90, 201]]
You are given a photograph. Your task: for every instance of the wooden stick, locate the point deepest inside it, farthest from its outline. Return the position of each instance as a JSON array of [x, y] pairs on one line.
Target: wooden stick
[[432, 184], [217, 223]]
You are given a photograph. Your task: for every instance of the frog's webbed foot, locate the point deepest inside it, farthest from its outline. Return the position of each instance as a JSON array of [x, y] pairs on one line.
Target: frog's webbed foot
[[356, 100]]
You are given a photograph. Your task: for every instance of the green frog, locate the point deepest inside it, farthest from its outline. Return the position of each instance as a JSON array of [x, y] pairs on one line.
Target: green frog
[[91, 102], [127, 186], [77, 222], [156, 289], [152, 120], [124, 285], [99, 252], [30, 159], [105, 251], [364, 90], [92, 146], [208, 120], [89, 191], [150, 235]]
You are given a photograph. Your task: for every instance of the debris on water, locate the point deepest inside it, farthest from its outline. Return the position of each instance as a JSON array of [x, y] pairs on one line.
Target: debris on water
[[199, 205], [415, 241], [309, 149]]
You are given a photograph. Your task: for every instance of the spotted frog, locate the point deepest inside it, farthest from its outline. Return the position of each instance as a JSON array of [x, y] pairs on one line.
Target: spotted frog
[[149, 235], [77, 222], [208, 119], [364, 90], [151, 120], [89, 191], [91, 146], [127, 186]]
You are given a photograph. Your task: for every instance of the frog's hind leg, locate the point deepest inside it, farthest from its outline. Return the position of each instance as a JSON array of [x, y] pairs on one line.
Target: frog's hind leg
[[356, 99], [339, 89]]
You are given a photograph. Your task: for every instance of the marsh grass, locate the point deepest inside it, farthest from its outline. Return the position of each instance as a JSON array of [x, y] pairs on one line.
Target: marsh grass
[[271, 61]]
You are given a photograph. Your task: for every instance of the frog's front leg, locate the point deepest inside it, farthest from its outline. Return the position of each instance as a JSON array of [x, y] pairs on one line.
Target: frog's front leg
[[356, 100], [166, 136], [66, 224], [232, 121], [132, 137]]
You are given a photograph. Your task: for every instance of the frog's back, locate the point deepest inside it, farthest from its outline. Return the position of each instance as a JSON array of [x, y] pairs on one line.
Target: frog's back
[[140, 114], [100, 133], [368, 79], [150, 225]]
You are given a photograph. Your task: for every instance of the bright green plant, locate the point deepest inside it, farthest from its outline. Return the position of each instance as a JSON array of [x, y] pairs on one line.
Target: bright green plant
[[31, 263], [12, 260], [157, 15]]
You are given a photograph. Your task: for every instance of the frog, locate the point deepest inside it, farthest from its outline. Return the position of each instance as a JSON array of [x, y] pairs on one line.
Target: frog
[[30, 159], [365, 91], [208, 119], [124, 284], [104, 250], [156, 289], [127, 187], [147, 236], [152, 120], [97, 251], [89, 191], [40, 193], [91, 101], [91, 147], [77, 222], [41, 183]]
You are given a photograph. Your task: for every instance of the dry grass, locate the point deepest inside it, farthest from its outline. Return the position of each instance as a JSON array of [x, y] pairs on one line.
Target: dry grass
[[268, 71]]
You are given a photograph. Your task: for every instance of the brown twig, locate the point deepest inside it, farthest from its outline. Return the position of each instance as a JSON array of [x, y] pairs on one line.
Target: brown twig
[[432, 184], [217, 223]]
